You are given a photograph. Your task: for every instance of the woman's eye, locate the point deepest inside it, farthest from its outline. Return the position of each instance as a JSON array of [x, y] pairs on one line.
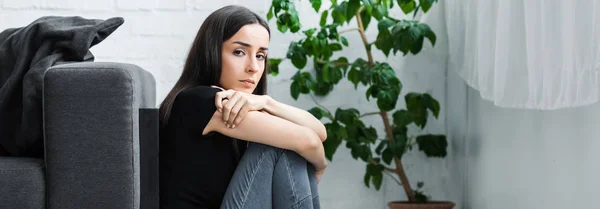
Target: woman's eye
[[260, 56], [238, 52]]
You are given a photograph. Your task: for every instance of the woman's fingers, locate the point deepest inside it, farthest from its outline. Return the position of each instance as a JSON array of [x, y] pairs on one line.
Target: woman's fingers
[[219, 101], [242, 113], [220, 96], [236, 111], [229, 106], [233, 105]]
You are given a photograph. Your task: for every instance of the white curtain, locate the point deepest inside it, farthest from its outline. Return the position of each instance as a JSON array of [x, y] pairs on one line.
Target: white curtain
[[535, 54]]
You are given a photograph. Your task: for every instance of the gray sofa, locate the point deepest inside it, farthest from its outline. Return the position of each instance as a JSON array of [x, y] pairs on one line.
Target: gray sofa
[[101, 142]]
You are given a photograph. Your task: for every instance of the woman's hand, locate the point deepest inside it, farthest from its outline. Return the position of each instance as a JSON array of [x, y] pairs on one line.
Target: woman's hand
[[319, 173], [234, 105]]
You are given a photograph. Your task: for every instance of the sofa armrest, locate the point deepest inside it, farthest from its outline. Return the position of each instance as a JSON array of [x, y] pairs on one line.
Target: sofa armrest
[[91, 133]]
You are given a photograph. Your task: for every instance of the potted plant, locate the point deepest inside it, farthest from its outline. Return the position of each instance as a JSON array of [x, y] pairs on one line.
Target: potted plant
[[381, 154]]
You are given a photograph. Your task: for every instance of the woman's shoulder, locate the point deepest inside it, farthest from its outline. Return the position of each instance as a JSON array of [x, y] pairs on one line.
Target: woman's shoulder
[[198, 93]]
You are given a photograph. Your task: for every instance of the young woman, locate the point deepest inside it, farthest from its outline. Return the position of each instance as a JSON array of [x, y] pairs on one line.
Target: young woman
[[223, 142]]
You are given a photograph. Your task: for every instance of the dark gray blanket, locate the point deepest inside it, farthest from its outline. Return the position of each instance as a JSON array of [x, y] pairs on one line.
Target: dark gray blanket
[[25, 54]]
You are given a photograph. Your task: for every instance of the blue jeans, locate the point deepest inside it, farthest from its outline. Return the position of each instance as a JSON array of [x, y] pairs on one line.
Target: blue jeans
[[269, 177]]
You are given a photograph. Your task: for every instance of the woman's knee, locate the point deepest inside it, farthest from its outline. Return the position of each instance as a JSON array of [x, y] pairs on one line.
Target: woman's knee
[[282, 157], [258, 151]]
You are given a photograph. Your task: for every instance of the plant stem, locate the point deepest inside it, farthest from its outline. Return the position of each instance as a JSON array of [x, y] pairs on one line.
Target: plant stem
[[337, 64], [363, 36], [384, 167], [399, 167], [367, 114], [347, 30], [318, 104], [392, 177], [386, 121]]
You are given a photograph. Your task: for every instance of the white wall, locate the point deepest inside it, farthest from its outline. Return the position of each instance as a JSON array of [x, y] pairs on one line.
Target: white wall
[[523, 159], [526, 159], [157, 34]]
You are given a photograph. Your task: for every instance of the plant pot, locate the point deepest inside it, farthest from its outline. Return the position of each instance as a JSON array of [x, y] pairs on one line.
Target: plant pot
[[428, 205]]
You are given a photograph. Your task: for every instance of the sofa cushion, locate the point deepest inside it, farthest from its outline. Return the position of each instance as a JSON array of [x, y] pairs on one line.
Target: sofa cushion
[[22, 184]]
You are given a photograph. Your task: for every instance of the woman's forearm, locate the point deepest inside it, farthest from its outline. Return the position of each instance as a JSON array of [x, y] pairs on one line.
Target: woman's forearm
[[297, 116], [313, 150]]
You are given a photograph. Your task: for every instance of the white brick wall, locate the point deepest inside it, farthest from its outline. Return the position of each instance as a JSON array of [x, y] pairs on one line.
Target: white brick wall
[[25, 4], [157, 34]]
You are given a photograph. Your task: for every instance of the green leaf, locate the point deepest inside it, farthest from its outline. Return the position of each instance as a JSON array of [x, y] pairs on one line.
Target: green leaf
[[407, 5], [376, 179], [330, 146], [299, 62], [426, 5], [420, 185], [365, 16], [347, 116], [401, 118], [344, 41], [286, 20], [335, 130], [387, 156], [352, 132], [333, 3], [365, 152], [352, 8], [431, 104], [334, 139], [375, 171], [403, 43], [339, 13], [428, 33], [297, 54], [433, 145], [335, 74], [316, 4], [379, 11], [295, 90], [398, 145], [417, 46], [309, 32], [371, 134], [342, 63], [307, 83], [319, 113], [335, 47], [384, 42], [420, 197], [282, 28], [382, 144], [414, 32], [322, 88], [416, 108], [385, 101], [270, 13], [325, 72], [294, 24], [368, 5], [273, 66], [399, 26], [354, 77], [384, 24], [324, 18]]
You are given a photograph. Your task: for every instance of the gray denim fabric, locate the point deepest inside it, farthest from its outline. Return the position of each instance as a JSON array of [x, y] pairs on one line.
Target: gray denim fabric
[[269, 177]]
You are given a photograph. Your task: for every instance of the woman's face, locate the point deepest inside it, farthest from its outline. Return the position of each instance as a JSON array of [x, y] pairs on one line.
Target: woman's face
[[244, 57]]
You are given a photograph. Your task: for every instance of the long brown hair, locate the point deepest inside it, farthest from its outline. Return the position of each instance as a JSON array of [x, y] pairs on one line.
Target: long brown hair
[[203, 63]]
